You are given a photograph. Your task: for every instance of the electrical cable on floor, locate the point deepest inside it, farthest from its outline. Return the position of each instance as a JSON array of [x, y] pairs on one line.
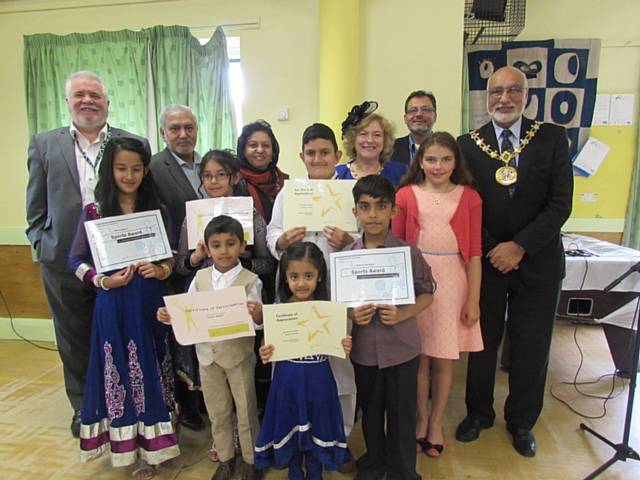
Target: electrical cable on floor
[[13, 328], [575, 382]]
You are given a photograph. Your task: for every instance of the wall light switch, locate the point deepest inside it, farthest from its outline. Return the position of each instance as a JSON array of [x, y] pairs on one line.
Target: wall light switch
[[589, 197]]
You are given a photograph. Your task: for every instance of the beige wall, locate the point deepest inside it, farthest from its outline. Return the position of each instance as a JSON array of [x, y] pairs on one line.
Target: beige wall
[[413, 45]]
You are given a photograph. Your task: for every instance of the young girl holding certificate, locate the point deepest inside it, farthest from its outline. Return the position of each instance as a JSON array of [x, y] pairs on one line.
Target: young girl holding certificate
[[129, 404], [302, 423], [441, 214]]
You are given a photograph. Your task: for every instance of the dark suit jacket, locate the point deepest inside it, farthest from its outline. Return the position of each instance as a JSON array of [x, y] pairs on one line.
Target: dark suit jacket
[[540, 204], [54, 202], [401, 151], [173, 186]]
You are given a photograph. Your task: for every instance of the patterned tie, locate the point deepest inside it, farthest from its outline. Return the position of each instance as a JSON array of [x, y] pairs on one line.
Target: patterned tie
[[507, 146]]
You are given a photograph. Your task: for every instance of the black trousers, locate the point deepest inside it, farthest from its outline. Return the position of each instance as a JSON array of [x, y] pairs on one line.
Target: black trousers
[[71, 303], [530, 316], [388, 393]]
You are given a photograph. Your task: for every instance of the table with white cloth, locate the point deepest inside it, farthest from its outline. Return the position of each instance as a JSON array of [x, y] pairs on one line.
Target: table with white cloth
[[583, 297]]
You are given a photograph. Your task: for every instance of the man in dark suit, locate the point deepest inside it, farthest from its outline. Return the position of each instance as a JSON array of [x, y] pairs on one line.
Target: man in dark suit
[[419, 115], [175, 169], [524, 176], [175, 173], [63, 166]]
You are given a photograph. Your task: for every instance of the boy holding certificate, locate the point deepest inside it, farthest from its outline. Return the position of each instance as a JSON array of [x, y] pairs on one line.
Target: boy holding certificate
[[227, 367], [386, 345], [320, 156]]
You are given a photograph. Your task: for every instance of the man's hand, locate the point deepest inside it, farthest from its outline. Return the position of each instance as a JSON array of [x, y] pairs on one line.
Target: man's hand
[[506, 256], [289, 237], [362, 315], [337, 238]]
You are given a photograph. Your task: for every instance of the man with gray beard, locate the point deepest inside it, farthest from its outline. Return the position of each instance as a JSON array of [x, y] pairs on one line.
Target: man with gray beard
[[524, 176]]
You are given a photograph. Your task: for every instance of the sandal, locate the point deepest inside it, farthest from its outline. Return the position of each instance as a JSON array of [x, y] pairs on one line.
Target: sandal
[[143, 472], [422, 444], [434, 450]]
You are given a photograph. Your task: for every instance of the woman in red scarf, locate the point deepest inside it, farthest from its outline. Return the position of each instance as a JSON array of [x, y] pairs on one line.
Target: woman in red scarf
[[258, 152]]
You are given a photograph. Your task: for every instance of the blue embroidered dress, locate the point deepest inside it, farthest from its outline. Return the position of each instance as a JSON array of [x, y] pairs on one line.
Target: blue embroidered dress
[[302, 416], [129, 403]]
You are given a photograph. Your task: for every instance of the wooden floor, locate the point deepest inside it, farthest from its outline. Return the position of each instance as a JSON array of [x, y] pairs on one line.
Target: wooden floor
[[36, 443]]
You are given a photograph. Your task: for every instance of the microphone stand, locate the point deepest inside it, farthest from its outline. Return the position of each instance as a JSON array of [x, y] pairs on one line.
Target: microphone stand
[[623, 450]]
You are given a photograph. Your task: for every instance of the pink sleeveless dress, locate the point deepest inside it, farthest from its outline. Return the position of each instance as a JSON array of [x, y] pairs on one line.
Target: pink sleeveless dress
[[442, 332]]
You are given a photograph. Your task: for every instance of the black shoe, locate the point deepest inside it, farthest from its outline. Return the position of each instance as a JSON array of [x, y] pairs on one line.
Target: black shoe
[[225, 470], [523, 441], [192, 420], [469, 428], [250, 472], [75, 424]]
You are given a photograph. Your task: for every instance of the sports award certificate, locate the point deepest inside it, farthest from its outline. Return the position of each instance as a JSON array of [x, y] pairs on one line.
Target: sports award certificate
[[305, 328], [316, 204], [200, 212], [210, 316], [119, 241], [383, 276]]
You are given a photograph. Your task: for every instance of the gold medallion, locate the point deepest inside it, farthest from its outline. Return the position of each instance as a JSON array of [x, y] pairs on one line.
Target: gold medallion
[[506, 175]]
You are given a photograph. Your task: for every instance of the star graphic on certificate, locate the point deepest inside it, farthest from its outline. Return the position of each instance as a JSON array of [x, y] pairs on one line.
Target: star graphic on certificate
[[191, 324], [317, 325], [335, 196]]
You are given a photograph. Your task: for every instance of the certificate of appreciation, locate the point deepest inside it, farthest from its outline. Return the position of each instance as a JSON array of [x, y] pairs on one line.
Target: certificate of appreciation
[[299, 329], [210, 316], [119, 241], [383, 276], [315, 204], [200, 212]]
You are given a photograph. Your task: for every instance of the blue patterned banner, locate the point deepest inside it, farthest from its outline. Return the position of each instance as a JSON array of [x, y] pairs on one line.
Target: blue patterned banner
[[562, 77]]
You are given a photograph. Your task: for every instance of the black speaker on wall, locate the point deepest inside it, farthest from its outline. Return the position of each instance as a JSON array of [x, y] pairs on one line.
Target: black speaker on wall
[[492, 10]]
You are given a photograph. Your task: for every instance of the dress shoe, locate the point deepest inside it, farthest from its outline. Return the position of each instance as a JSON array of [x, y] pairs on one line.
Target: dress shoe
[[75, 424], [469, 428], [192, 420], [523, 441], [250, 472]]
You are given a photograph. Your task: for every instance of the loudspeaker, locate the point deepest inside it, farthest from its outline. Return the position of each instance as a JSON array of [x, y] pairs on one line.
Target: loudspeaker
[[492, 10], [620, 341]]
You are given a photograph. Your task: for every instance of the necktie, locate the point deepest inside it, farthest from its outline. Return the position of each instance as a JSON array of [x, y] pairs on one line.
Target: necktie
[[507, 146]]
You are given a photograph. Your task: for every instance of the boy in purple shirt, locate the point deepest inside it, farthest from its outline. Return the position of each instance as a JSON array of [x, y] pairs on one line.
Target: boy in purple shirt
[[386, 346]]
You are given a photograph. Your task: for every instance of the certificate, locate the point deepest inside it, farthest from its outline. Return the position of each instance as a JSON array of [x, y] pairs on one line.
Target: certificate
[[383, 276], [200, 212], [210, 316], [299, 329], [315, 204], [119, 241]]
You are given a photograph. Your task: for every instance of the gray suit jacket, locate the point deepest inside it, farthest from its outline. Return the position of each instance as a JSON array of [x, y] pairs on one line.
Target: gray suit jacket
[[173, 186], [54, 202]]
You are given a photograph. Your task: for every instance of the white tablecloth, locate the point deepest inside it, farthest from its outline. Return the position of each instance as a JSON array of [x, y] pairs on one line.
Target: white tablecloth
[[596, 272]]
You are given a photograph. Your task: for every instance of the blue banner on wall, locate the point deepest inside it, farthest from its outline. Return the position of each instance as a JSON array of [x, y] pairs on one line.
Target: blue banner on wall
[[562, 76]]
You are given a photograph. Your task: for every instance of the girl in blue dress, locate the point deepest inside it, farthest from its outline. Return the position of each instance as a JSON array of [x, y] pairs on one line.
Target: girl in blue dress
[[129, 403], [302, 422]]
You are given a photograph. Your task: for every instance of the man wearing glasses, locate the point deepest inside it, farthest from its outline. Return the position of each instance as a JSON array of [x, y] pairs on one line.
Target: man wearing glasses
[[523, 173], [175, 173], [419, 116]]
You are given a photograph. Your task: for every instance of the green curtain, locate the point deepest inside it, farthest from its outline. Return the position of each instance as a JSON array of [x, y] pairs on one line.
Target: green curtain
[[631, 234], [119, 58], [188, 73]]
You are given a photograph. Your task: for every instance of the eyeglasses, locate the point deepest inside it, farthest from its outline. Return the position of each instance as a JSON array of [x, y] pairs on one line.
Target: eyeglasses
[[219, 176], [512, 91], [414, 110]]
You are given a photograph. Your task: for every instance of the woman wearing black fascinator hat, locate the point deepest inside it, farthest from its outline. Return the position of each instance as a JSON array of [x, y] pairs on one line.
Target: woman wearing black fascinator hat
[[368, 142]]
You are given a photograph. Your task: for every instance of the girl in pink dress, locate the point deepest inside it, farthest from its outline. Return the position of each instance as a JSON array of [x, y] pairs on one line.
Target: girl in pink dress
[[441, 214]]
